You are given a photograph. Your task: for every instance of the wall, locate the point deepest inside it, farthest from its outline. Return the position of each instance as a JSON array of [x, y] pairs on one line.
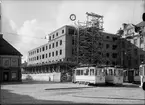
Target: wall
[[55, 77], [10, 64]]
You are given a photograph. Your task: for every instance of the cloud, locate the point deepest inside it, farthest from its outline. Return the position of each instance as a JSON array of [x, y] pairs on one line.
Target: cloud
[[32, 36], [13, 25]]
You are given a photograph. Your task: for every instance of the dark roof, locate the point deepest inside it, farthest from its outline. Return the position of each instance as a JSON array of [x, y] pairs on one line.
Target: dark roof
[[141, 24], [7, 49]]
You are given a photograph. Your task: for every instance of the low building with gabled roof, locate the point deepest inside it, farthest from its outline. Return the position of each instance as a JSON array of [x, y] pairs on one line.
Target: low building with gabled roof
[[10, 62]]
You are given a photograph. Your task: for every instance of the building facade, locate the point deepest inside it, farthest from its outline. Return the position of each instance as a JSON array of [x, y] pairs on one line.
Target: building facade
[[133, 46], [57, 55], [10, 62]]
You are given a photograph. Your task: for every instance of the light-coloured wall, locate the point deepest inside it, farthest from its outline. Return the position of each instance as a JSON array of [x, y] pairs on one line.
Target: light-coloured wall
[[55, 77], [65, 47]]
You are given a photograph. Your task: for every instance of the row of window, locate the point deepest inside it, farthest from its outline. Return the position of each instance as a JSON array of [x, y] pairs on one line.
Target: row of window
[[53, 36], [89, 72], [43, 56], [46, 47], [113, 38], [114, 47]]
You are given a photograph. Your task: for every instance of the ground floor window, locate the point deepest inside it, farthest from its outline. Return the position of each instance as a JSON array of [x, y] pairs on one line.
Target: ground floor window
[[14, 75]]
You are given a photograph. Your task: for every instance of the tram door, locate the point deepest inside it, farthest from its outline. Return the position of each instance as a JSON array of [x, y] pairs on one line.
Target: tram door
[[5, 76], [131, 76]]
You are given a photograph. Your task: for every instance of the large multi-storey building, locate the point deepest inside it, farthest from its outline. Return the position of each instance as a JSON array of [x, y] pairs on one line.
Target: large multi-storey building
[[57, 54], [133, 46]]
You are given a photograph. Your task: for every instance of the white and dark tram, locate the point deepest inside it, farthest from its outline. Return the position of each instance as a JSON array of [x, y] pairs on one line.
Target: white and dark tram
[[114, 75], [142, 74], [89, 75]]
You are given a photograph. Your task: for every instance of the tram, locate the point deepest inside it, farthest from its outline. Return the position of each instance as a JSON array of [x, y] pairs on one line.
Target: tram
[[142, 74], [114, 75], [136, 76], [89, 75]]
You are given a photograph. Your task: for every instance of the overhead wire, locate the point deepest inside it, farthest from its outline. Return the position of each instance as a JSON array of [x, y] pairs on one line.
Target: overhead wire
[[22, 35]]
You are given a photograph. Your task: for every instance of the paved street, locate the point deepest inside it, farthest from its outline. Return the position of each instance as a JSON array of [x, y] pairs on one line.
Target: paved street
[[41, 93]]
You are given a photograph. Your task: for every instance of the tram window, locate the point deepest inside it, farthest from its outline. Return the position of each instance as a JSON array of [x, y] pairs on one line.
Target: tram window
[[77, 72], [136, 72], [91, 71], [110, 72], [81, 72], [106, 72], [86, 72], [96, 72], [114, 72]]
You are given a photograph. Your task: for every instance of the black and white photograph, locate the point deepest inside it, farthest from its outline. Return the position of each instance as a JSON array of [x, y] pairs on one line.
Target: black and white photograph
[[72, 52]]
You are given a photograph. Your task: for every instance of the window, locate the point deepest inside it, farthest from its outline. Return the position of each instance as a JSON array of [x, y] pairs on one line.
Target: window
[[37, 57], [135, 51], [56, 44], [60, 42], [107, 54], [107, 46], [49, 54], [37, 50], [40, 49], [114, 38], [73, 41], [46, 55], [43, 56], [52, 45], [114, 55], [52, 53], [82, 72], [107, 37], [60, 52], [46, 47], [107, 62], [86, 72], [71, 31], [78, 72], [91, 71], [62, 31], [56, 53], [43, 48], [113, 62], [114, 47], [40, 56], [57, 34], [14, 75], [110, 72], [53, 35], [49, 37]]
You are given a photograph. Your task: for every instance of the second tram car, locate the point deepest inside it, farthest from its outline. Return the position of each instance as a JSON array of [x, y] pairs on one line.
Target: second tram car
[[89, 75], [142, 74], [114, 75]]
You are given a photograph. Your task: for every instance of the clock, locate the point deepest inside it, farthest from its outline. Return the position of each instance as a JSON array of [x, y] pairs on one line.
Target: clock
[[73, 17]]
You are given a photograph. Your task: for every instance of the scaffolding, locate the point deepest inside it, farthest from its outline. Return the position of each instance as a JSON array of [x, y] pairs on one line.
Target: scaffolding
[[88, 40]]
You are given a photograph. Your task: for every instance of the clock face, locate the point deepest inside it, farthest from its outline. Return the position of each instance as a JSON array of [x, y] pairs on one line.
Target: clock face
[[73, 17]]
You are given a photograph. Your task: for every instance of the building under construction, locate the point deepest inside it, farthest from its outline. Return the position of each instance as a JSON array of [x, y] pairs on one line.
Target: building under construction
[[71, 46], [88, 42]]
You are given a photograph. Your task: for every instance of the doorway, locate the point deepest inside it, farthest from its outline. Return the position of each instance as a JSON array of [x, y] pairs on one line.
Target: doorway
[[5, 76]]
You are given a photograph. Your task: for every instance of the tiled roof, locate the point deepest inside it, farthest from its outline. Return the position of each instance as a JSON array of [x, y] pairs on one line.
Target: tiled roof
[[7, 49]]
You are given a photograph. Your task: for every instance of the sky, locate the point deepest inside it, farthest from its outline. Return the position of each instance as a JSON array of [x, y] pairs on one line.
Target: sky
[[26, 23]]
